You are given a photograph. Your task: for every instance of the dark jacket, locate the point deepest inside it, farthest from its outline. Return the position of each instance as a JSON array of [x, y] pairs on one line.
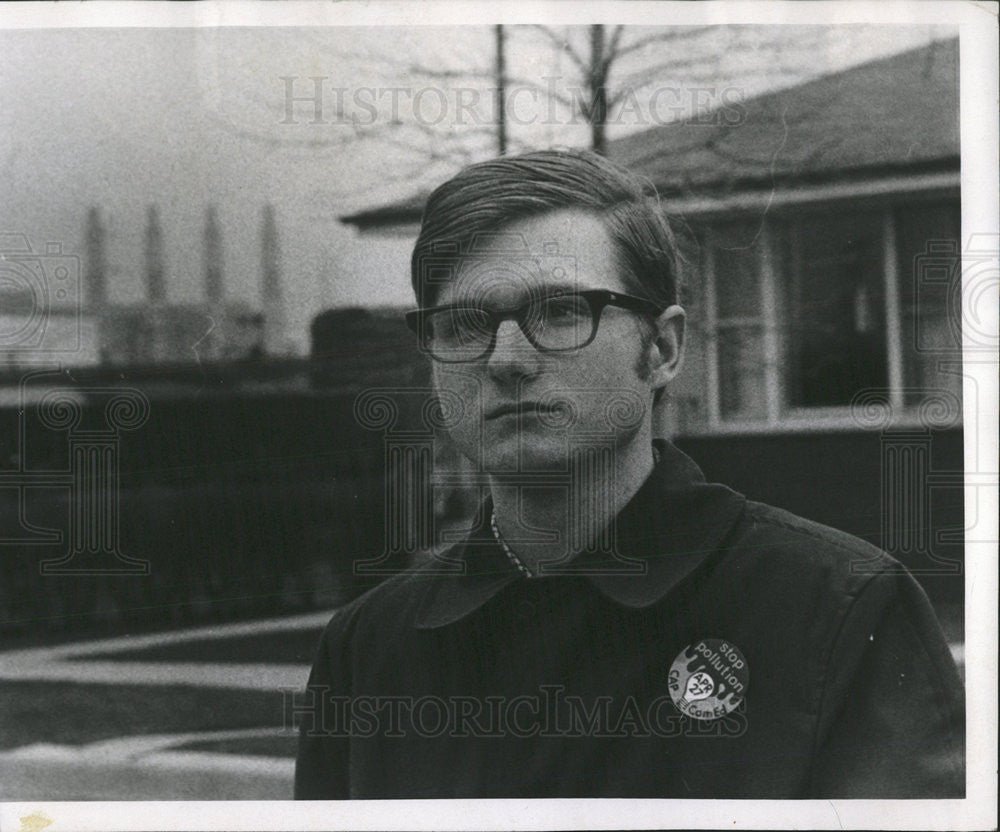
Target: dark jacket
[[491, 684]]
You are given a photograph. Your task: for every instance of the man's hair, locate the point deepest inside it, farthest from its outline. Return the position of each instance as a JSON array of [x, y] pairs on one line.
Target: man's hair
[[486, 196]]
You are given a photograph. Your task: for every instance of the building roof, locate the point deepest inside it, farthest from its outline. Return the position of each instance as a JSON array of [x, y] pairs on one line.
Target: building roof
[[895, 113], [886, 116]]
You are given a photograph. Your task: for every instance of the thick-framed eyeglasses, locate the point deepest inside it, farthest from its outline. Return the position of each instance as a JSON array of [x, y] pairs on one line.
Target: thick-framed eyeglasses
[[555, 322]]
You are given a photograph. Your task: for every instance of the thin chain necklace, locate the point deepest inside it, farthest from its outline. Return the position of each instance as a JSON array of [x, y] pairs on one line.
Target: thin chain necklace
[[513, 558], [507, 550]]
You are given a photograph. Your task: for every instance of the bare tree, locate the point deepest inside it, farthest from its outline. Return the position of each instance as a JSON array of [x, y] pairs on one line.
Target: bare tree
[[424, 110], [618, 67], [436, 103]]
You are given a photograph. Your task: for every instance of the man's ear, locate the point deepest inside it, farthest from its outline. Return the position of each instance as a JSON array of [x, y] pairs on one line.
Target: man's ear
[[667, 349]]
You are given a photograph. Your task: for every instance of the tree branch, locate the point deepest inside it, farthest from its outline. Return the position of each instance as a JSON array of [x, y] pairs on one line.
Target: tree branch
[[685, 33], [528, 83], [564, 46], [612, 50]]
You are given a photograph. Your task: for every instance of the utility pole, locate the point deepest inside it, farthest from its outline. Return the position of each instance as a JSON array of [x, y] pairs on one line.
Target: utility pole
[[501, 72], [598, 91]]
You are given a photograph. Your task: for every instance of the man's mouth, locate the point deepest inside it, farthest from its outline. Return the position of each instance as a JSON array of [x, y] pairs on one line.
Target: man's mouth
[[513, 409]]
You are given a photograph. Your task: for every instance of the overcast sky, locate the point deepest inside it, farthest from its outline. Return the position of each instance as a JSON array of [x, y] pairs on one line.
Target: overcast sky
[[121, 119]]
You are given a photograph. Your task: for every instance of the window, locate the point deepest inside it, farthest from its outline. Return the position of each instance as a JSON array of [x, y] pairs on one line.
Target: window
[[835, 334], [927, 248], [804, 312], [738, 322]]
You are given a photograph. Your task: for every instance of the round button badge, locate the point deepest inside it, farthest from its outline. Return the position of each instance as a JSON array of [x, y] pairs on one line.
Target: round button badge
[[709, 679]]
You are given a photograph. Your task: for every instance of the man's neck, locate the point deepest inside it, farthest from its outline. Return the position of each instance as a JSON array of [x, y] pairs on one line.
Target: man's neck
[[553, 523]]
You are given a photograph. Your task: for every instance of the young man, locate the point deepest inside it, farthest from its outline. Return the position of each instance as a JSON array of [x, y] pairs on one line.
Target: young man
[[613, 626]]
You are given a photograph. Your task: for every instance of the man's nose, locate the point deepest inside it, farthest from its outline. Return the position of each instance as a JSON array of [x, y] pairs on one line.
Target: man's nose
[[512, 351]]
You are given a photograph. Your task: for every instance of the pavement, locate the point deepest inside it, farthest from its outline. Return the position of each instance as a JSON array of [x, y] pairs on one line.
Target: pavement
[[153, 767], [144, 768], [160, 766], [63, 662]]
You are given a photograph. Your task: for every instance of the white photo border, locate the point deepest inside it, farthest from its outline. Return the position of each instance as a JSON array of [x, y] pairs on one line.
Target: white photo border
[[977, 23]]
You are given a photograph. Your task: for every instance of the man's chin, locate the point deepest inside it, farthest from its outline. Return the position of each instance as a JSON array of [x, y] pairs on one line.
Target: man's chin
[[531, 454]]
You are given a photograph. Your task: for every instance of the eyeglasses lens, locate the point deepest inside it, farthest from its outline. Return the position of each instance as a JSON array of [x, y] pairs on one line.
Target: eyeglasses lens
[[562, 322]]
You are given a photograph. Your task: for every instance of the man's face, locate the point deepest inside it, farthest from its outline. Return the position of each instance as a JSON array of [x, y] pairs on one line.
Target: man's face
[[524, 409]]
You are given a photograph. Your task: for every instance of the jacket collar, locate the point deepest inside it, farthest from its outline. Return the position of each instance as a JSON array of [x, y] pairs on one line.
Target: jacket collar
[[669, 527]]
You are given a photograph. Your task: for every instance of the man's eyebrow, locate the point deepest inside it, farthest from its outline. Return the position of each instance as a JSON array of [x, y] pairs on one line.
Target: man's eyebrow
[[560, 288], [548, 290]]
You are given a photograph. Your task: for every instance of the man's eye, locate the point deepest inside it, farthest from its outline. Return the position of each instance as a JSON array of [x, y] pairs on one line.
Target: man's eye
[[566, 309], [443, 329], [458, 324]]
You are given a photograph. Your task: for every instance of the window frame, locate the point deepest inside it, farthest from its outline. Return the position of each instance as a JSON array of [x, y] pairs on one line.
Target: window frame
[[779, 417]]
